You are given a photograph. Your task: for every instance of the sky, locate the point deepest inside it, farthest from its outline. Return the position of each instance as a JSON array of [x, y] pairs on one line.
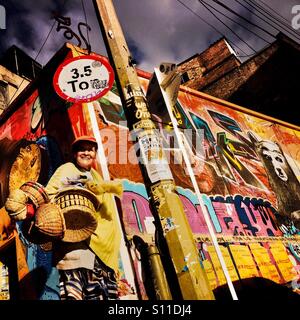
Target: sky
[[155, 30]]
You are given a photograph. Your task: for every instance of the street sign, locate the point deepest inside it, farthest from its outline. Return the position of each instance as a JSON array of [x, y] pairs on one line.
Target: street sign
[[83, 78]]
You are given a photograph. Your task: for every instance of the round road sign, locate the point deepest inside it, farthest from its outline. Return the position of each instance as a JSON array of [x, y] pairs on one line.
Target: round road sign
[[83, 78]]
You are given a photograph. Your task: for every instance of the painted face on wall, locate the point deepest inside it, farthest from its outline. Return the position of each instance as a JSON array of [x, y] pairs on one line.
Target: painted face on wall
[[26, 166], [85, 155], [272, 153]]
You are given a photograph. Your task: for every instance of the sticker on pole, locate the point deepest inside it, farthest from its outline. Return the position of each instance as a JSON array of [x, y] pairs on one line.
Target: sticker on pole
[[83, 79]]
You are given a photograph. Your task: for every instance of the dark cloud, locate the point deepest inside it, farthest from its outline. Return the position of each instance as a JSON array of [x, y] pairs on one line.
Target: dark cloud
[[156, 30], [136, 51]]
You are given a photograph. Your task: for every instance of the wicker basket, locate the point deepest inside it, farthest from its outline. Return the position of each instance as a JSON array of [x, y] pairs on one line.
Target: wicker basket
[[35, 192], [15, 205], [78, 206], [19, 215], [50, 221]]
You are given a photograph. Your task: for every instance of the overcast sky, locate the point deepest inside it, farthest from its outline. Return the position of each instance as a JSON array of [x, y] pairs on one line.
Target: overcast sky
[[155, 30]]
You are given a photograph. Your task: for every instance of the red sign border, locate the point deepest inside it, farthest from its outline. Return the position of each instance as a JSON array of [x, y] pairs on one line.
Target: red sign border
[[66, 62]]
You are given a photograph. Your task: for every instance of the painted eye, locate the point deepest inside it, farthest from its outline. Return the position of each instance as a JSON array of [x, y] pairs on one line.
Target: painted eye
[[279, 159], [267, 157], [32, 162]]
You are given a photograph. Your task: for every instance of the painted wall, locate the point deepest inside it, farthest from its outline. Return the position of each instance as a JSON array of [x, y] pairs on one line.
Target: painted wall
[[247, 169]]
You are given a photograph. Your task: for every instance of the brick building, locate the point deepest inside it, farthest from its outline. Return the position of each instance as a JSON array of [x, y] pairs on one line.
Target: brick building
[[267, 82]]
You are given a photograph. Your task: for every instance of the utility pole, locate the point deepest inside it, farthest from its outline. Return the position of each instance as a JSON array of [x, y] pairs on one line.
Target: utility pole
[[168, 209]]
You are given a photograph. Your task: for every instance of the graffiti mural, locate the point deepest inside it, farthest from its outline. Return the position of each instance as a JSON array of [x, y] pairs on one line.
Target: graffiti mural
[[247, 169], [34, 141]]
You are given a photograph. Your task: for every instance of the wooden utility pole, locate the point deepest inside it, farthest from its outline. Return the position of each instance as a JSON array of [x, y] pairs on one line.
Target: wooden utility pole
[[159, 181]]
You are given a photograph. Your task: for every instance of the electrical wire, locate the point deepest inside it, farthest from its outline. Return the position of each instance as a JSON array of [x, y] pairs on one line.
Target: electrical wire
[[37, 55], [209, 24], [278, 14], [269, 15], [234, 21], [205, 5], [270, 22], [86, 22], [243, 18], [278, 20]]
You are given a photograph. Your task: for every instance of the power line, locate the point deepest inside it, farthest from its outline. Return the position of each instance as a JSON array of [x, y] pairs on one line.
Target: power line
[[204, 5], [37, 55], [252, 12], [87, 29], [243, 18], [34, 60], [271, 21], [234, 21], [278, 14], [212, 26], [188, 8]]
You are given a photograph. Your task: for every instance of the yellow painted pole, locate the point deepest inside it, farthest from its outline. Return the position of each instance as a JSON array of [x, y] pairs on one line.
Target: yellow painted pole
[[159, 181]]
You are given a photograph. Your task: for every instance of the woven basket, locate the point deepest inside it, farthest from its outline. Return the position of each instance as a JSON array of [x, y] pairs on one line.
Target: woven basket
[[33, 234], [15, 205], [78, 206], [50, 221], [19, 215], [36, 192]]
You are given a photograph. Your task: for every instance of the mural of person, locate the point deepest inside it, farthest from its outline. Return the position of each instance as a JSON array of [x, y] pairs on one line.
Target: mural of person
[[282, 180], [87, 268], [21, 161]]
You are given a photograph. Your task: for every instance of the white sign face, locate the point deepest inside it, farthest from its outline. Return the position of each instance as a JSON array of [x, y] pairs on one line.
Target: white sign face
[[83, 79]]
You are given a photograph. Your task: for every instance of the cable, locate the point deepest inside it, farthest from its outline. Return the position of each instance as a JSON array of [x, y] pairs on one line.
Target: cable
[[277, 20], [87, 29], [274, 11], [243, 18], [270, 22], [212, 26], [269, 15], [34, 59], [253, 13], [205, 6], [249, 30]]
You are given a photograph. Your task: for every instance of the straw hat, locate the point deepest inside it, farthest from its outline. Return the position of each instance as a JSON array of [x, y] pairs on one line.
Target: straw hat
[[35, 192], [78, 206], [84, 138], [50, 221]]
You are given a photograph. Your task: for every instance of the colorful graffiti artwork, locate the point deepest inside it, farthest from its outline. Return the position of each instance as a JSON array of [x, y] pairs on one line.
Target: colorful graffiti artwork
[[247, 169]]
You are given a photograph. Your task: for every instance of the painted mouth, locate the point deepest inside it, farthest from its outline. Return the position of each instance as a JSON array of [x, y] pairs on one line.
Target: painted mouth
[[282, 175]]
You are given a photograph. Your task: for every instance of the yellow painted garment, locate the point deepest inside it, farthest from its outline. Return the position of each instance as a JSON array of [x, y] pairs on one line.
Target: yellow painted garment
[[105, 241]]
